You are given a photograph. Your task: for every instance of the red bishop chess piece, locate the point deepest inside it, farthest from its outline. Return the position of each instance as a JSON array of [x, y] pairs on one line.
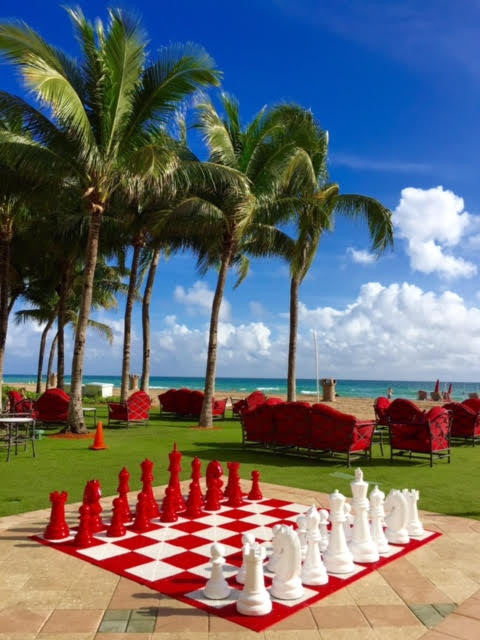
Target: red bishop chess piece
[[117, 528], [236, 496], [57, 528], [168, 507], [215, 471], [255, 493], [91, 497], [174, 482], [84, 537], [214, 495], [147, 479], [123, 491], [142, 515]]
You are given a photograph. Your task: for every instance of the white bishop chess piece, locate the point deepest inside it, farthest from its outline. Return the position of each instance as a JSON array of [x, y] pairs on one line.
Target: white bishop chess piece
[[397, 517], [349, 519], [247, 539], [302, 534], [323, 528], [414, 527], [377, 516], [254, 599], [217, 587], [287, 584], [313, 569], [362, 546], [338, 557]]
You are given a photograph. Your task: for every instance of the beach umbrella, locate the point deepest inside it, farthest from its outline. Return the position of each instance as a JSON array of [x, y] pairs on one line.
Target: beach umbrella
[[437, 387], [450, 387]]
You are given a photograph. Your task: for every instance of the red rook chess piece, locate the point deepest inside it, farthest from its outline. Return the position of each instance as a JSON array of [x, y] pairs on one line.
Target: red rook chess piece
[[57, 528], [255, 493]]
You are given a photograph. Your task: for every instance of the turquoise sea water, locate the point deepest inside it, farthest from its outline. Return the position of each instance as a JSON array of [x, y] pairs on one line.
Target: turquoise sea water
[[271, 386]]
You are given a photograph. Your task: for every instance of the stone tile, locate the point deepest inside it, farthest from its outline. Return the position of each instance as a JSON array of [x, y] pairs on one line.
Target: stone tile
[[174, 616], [303, 620], [347, 634], [460, 627], [339, 598], [73, 620], [396, 633], [123, 636], [338, 617], [445, 608], [410, 584], [17, 636], [373, 589], [66, 636], [389, 615], [203, 635], [435, 635], [130, 595], [272, 634], [470, 608], [221, 625], [242, 634], [23, 620], [427, 614], [142, 620]]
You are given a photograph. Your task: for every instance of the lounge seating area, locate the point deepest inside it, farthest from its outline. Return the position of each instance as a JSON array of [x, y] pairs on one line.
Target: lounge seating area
[[136, 410], [188, 403]]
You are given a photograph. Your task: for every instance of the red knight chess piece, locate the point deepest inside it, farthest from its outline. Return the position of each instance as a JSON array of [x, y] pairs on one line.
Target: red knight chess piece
[[91, 497], [174, 482], [147, 479], [57, 528], [123, 491], [255, 493]]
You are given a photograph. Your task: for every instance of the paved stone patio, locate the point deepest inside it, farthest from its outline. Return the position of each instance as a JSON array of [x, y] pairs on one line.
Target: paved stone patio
[[432, 593]]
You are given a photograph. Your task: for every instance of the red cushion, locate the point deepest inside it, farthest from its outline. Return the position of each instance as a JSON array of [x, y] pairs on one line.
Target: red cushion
[[465, 422], [167, 400], [404, 411], [380, 407], [219, 406], [292, 423], [258, 423], [333, 430]]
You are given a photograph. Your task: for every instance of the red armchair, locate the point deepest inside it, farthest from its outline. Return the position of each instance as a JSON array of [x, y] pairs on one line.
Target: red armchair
[[52, 407], [380, 406], [250, 402], [18, 404], [136, 409], [465, 421]]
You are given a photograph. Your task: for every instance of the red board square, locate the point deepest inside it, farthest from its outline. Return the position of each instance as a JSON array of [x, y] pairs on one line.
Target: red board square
[[239, 526], [236, 513], [137, 542], [274, 503], [281, 514], [119, 564], [234, 541], [190, 527], [186, 560], [189, 541]]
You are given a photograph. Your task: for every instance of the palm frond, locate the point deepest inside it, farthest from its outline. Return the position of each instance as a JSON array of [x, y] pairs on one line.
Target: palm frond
[[377, 217], [102, 329]]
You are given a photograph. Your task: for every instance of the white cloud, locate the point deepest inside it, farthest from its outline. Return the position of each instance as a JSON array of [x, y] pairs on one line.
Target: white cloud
[[361, 256], [257, 309], [433, 221], [198, 300]]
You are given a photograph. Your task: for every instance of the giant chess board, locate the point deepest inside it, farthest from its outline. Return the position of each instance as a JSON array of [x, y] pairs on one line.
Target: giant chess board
[[174, 558]]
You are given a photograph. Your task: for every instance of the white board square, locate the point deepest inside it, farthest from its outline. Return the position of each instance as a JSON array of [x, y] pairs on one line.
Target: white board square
[[104, 538], [215, 534], [155, 570], [205, 570], [166, 533], [256, 507], [214, 520], [262, 533], [159, 550], [294, 506], [103, 551], [204, 550], [260, 519]]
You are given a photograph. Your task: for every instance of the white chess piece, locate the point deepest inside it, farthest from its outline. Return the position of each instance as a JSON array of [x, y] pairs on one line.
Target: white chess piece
[[377, 514], [217, 587], [270, 566], [337, 557], [287, 584], [414, 527], [396, 518], [323, 528], [313, 569], [254, 599], [347, 525], [361, 545], [302, 534], [247, 539]]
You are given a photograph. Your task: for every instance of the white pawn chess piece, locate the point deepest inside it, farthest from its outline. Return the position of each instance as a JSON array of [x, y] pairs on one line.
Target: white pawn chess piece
[[313, 569], [396, 518], [217, 587], [286, 584], [414, 527], [247, 539], [347, 525], [361, 545], [302, 534], [254, 599], [377, 514], [338, 557], [323, 528], [270, 566]]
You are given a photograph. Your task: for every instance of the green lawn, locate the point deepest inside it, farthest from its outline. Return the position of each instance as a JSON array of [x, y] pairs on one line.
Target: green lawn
[[68, 464]]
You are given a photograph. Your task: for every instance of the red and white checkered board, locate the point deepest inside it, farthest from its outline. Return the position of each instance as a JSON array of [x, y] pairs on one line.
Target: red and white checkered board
[[174, 559]]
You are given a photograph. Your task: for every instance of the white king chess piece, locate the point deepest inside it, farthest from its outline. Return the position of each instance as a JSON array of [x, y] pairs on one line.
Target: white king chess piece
[[313, 569], [397, 517], [362, 546], [377, 515], [286, 583], [415, 527], [338, 557], [323, 528], [247, 539], [254, 599], [217, 587]]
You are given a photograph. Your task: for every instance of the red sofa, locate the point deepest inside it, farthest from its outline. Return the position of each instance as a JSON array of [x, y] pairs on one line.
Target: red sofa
[[52, 407], [136, 409], [417, 432], [185, 402], [250, 402], [300, 427], [465, 420]]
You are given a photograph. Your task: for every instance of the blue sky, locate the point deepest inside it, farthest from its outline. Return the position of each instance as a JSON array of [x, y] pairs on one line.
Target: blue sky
[[397, 86]]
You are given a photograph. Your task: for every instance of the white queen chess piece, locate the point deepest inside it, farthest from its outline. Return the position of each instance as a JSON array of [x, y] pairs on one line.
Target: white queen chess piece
[[254, 600], [362, 546], [377, 515], [247, 539], [217, 587], [313, 569], [396, 519], [414, 527], [287, 584], [338, 557]]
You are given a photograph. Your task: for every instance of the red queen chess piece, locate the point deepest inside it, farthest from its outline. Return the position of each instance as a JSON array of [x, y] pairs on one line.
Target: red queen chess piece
[[57, 528]]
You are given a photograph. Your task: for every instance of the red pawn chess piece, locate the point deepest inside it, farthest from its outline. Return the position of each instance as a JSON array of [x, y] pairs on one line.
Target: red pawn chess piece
[[168, 507], [84, 537], [142, 518], [214, 495], [255, 493], [123, 491], [117, 528], [91, 497], [147, 480], [174, 482], [194, 502], [57, 528], [215, 472], [236, 496]]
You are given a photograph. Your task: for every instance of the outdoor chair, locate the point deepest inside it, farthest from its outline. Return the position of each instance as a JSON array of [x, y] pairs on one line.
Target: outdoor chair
[[135, 410], [52, 407], [380, 406], [250, 402], [168, 401], [465, 422], [257, 424]]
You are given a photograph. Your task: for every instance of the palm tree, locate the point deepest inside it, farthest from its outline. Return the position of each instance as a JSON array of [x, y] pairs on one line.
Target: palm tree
[[108, 112], [154, 259]]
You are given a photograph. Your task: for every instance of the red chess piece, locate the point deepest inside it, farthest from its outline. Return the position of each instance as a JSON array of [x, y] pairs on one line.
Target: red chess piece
[[147, 479], [117, 528], [57, 528], [236, 496], [214, 495], [142, 518], [255, 493], [215, 472], [91, 497], [168, 507], [123, 491], [84, 537], [174, 482], [194, 502], [197, 472], [233, 478]]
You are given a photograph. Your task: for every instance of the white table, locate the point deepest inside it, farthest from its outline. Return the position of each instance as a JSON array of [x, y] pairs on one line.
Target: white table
[[90, 410], [14, 433]]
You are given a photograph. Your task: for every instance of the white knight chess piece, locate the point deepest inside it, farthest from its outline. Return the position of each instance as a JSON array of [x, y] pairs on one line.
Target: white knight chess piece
[[338, 557], [286, 583], [254, 599], [362, 546], [396, 519], [415, 527], [349, 520], [377, 514], [217, 587], [270, 566]]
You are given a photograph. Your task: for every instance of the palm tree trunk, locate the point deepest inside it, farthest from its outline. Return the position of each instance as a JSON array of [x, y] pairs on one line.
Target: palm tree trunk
[[5, 241], [206, 419], [127, 332], [147, 296], [41, 354], [75, 413], [51, 357], [61, 330], [292, 345]]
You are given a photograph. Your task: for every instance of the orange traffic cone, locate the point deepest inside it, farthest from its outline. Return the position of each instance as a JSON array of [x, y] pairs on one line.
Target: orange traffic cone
[[99, 442]]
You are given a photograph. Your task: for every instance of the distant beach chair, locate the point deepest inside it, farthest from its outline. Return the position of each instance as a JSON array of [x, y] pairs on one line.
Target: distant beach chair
[[52, 407], [380, 407], [435, 394], [422, 395], [465, 421], [135, 410]]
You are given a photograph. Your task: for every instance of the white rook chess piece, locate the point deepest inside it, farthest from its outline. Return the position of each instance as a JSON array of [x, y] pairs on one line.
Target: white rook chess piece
[[347, 525], [338, 557], [302, 534], [362, 546], [414, 527], [217, 587], [313, 569], [396, 518], [287, 584], [254, 599], [323, 528], [247, 539], [377, 515]]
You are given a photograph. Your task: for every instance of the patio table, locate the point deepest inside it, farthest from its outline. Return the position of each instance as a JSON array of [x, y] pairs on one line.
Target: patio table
[[18, 430]]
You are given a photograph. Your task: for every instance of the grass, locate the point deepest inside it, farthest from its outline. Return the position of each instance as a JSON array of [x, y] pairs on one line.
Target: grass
[[67, 464]]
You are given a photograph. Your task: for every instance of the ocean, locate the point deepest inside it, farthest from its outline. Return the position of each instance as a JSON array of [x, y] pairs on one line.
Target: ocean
[[271, 386]]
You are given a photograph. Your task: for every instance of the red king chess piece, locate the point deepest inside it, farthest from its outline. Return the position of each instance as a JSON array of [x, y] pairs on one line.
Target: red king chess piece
[[123, 491], [174, 482], [169, 513], [84, 537], [91, 497], [142, 515], [147, 480], [117, 528], [255, 493], [57, 528]]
